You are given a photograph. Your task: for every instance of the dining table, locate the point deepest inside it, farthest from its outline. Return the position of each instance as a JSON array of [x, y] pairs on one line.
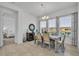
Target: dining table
[[55, 38]]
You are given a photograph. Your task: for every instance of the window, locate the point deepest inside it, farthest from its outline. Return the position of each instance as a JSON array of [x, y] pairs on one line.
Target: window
[[52, 25], [65, 24], [42, 26], [65, 21]]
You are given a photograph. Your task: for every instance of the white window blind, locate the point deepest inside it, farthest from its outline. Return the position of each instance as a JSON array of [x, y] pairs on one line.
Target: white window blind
[[42, 24], [65, 21], [51, 23]]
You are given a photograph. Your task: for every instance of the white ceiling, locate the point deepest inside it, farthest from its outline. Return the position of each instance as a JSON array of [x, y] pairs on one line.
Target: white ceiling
[[35, 9]]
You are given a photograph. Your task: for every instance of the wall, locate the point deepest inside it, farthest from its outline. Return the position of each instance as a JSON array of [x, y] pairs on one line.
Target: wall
[[23, 20], [78, 25], [1, 36]]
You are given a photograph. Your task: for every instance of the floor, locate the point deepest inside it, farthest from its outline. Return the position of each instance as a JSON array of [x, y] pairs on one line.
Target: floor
[[31, 49]]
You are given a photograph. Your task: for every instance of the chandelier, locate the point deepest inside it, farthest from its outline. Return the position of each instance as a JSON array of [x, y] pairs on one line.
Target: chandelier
[[45, 17]]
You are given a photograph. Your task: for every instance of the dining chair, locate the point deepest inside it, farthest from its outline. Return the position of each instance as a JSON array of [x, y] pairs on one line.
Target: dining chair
[[35, 39], [38, 38], [46, 39], [61, 43]]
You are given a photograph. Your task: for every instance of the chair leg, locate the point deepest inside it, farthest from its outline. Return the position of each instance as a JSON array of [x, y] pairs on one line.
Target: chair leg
[[56, 47], [42, 43], [49, 45], [53, 44], [35, 41], [63, 49]]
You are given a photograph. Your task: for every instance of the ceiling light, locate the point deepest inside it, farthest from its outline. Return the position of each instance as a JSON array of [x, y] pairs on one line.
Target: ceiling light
[[45, 17]]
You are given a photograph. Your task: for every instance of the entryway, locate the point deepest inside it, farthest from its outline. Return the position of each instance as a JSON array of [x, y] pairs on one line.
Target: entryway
[[8, 19]]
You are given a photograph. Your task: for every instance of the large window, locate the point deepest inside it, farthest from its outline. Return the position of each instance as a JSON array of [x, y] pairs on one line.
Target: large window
[[42, 26], [65, 24], [52, 25]]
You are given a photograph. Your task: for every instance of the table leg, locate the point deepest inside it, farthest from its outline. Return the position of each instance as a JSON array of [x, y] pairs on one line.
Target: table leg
[[34, 41], [53, 42]]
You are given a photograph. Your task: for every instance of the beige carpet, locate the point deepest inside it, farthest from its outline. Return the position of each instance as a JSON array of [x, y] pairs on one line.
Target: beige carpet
[[31, 49]]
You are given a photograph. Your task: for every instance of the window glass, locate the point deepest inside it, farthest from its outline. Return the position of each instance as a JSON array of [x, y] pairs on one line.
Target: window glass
[[42, 26], [65, 24], [52, 26], [52, 23]]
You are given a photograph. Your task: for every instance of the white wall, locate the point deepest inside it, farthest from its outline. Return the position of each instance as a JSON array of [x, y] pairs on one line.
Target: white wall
[[1, 36], [23, 19], [78, 25]]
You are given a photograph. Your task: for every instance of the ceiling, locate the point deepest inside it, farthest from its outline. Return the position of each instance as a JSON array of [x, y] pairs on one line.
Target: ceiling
[[42, 8]]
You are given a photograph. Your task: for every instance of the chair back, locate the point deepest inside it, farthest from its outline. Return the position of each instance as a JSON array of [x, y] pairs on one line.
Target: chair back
[[39, 36], [45, 36]]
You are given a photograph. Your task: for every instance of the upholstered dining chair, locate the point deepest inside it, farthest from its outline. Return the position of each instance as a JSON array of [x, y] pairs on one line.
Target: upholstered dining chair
[[61, 43], [46, 39], [35, 39], [38, 38]]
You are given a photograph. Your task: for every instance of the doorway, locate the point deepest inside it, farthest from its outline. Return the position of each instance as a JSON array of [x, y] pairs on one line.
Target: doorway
[[9, 22]]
